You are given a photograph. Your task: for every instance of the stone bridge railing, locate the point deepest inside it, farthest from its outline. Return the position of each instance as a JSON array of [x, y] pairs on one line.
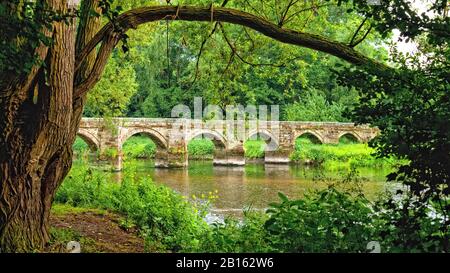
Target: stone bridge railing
[[171, 137]]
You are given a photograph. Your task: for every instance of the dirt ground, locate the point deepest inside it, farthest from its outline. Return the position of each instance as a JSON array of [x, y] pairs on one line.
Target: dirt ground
[[97, 232]]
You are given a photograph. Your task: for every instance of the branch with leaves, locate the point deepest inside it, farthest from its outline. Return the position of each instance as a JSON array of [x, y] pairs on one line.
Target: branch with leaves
[[136, 17]]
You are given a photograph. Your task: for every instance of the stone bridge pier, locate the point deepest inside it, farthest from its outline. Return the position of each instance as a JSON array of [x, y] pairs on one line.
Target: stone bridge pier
[[172, 136]]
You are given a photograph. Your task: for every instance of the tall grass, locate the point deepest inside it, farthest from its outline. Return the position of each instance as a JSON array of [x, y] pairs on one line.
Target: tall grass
[[167, 220]]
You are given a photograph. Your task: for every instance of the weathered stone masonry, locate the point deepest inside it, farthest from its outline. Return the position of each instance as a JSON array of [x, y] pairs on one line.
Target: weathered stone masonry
[[171, 137]]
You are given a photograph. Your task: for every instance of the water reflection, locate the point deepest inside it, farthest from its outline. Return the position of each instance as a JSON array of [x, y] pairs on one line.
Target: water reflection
[[255, 185]]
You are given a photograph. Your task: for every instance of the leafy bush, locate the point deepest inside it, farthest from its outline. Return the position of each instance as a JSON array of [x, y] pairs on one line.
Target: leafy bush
[[109, 153], [80, 147], [314, 106], [201, 149], [167, 220], [323, 221], [237, 236], [254, 148], [421, 229], [340, 155], [139, 147]]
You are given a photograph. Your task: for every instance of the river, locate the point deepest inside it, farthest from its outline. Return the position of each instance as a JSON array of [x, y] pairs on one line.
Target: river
[[254, 185]]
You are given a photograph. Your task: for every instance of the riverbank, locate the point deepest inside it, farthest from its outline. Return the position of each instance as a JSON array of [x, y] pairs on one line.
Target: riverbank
[[338, 218]]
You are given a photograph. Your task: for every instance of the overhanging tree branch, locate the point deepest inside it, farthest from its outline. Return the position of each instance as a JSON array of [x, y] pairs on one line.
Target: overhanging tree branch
[[136, 17]]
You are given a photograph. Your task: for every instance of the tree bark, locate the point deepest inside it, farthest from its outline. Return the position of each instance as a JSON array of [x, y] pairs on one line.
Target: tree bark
[[35, 143]]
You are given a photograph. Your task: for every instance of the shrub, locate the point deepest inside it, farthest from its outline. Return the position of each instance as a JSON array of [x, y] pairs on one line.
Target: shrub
[[139, 147], [201, 149], [340, 155], [421, 228], [80, 147], [254, 148], [167, 220], [234, 236], [323, 221]]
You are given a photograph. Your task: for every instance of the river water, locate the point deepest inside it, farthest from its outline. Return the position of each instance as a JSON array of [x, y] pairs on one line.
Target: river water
[[254, 185]]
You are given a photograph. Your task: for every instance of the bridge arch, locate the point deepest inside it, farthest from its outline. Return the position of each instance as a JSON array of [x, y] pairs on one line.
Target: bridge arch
[[271, 141], [217, 138], [90, 139], [352, 135], [311, 133], [155, 136]]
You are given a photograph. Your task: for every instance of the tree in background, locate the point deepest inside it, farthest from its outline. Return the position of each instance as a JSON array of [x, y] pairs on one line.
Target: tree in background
[[111, 95], [233, 65], [48, 66]]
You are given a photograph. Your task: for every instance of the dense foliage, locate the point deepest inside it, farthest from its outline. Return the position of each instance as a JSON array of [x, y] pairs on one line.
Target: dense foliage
[[201, 149], [410, 104], [139, 147], [341, 155], [328, 220], [164, 217], [171, 62]]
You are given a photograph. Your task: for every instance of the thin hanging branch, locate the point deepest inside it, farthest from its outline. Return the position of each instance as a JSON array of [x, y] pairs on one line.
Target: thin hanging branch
[[235, 52], [357, 31], [362, 39], [286, 11], [313, 8], [200, 52], [136, 17], [168, 53]]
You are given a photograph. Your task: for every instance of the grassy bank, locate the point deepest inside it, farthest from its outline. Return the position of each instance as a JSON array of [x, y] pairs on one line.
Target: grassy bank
[[328, 220], [96, 230], [337, 156], [165, 219]]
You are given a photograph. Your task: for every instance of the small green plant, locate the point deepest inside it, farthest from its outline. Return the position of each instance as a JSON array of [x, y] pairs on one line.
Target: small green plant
[[108, 153], [234, 236], [79, 146], [59, 237], [323, 221]]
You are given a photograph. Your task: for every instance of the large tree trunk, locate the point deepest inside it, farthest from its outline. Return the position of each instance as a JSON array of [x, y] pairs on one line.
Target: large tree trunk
[[37, 133]]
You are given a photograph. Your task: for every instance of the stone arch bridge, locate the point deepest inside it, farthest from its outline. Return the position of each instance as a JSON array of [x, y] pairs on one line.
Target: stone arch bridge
[[171, 137]]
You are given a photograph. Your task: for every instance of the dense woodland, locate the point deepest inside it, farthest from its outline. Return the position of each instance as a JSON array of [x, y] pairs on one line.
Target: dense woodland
[[321, 60], [171, 63]]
